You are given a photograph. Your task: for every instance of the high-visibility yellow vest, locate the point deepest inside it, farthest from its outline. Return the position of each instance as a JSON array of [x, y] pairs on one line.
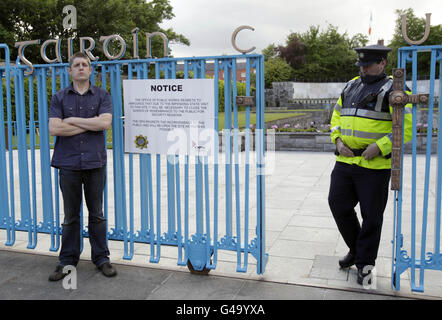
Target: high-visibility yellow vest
[[362, 115]]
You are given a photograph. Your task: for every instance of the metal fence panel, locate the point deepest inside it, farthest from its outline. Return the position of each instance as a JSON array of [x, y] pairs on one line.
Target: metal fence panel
[[180, 201]]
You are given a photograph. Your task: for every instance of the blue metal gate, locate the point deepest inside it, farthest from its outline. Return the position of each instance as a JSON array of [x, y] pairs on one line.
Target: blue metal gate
[[202, 208], [412, 248]]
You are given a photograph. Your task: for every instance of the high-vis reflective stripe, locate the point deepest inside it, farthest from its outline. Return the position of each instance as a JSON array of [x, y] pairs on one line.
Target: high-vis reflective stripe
[[349, 85], [381, 94], [346, 132], [348, 112], [335, 128], [363, 134], [368, 135], [374, 114], [345, 112], [338, 107]]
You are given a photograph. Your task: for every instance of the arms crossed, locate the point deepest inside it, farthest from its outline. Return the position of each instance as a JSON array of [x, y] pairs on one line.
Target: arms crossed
[[75, 125]]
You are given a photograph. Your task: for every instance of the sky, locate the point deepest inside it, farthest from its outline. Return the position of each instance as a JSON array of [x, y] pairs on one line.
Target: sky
[[209, 24]]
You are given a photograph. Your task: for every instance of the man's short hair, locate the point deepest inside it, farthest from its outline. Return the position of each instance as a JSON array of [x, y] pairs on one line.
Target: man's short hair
[[79, 55]]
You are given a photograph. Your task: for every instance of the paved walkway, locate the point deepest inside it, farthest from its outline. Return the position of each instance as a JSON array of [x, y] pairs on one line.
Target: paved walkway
[[25, 276], [301, 239]]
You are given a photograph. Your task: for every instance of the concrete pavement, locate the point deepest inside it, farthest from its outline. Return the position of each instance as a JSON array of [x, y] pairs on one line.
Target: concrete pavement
[[24, 276]]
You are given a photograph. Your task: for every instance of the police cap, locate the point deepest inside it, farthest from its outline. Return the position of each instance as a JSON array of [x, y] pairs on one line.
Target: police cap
[[371, 54]]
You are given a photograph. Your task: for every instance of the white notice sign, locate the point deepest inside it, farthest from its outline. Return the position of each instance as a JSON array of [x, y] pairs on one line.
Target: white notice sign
[[169, 116]]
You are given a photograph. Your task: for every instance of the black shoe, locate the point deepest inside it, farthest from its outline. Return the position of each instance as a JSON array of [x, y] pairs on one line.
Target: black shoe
[[108, 270], [362, 275], [57, 274], [347, 261]]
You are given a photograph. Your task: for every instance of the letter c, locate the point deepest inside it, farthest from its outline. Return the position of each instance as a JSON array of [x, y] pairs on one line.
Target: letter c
[[57, 51], [235, 33]]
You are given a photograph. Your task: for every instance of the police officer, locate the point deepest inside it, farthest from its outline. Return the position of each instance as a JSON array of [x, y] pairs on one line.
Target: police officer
[[362, 131]]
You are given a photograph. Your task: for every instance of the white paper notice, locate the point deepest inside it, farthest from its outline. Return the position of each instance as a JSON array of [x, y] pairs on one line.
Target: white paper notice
[[169, 116]]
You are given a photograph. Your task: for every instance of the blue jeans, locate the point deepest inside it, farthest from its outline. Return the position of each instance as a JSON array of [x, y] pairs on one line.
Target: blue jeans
[[71, 185]]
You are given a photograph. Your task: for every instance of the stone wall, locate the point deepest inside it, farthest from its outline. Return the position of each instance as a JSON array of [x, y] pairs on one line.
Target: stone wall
[[303, 121], [317, 142], [303, 141]]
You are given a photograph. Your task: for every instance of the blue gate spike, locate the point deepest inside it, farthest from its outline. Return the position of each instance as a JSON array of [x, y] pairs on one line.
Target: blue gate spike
[[148, 198], [418, 257]]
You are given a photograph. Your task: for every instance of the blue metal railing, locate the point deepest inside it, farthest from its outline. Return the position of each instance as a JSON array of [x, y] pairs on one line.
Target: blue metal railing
[[428, 258], [188, 219]]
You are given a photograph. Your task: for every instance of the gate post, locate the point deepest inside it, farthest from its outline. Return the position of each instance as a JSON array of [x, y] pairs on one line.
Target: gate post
[[403, 260], [4, 204], [260, 151], [6, 136]]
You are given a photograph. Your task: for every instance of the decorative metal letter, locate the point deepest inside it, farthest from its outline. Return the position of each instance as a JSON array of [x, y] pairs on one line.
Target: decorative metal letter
[[57, 51], [235, 33], [21, 48], [135, 42], [165, 43], [404, 30], [106, 40], [89, 49], [70, 21], [70, 48]]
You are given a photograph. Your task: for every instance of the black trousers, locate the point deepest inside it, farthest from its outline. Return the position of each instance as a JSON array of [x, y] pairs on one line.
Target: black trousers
[[71, 184], [350, 185]]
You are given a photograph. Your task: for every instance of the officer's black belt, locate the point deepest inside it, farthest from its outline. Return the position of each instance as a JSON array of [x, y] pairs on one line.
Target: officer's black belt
[[356, 152]]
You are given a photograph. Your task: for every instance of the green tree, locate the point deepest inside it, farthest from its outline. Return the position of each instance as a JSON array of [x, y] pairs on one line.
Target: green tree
[[415, 31], [269, 52], [319, 55], [43, 19], [277, 70]]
